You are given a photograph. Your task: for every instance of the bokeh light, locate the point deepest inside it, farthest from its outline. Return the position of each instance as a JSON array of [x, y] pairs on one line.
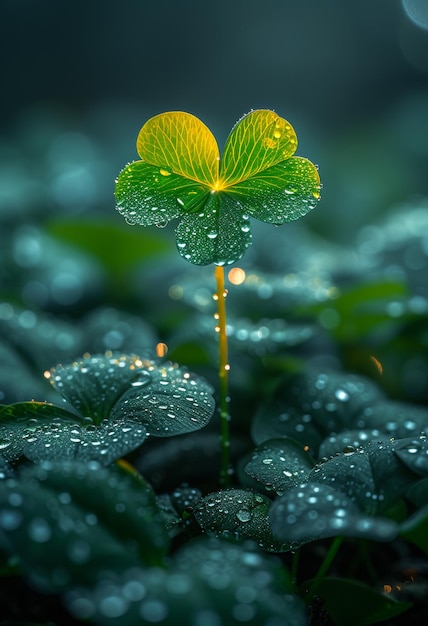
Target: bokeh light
[[417, 11]]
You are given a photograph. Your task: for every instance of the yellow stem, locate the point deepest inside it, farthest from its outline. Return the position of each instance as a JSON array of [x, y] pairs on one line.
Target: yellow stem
[[224, 367]]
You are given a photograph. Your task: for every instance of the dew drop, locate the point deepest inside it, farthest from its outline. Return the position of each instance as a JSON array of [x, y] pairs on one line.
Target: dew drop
[[244, 516], [342, 395]]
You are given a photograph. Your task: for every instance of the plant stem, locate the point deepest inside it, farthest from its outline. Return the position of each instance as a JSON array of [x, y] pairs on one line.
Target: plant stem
[[329, 557], [223, 372]]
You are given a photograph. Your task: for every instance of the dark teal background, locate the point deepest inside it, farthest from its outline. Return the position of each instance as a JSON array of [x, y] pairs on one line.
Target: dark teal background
[[352, 77]]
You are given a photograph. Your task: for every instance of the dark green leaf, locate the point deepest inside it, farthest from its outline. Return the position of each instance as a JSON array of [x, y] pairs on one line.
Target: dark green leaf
[[42, 431], [371, 476], [95, 383], [414, 454], [174, 402], [171, 520], [349, 440], [19, 422], [309, 405], [238, 514], [396, 419], [71, 523], [313, 511], [209, 583], [279, 464]]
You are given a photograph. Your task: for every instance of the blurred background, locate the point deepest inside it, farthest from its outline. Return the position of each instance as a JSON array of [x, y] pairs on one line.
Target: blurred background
[[80, 78]]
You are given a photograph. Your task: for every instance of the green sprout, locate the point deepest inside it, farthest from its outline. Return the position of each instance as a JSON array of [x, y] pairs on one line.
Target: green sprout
[[181, 176]]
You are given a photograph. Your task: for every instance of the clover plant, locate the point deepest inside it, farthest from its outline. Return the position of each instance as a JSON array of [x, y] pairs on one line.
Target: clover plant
[[182, 176], [112, 510]]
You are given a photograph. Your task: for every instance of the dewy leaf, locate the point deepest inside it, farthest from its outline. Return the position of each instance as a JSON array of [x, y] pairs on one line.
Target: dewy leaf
[[238, 514], [123, 501], [58, 541], [309, 405], [282, 193], [209, 583], [279, 464], [258, 141], [315, 511], [118, 400], [175, 402], [180, 176], [348, 440], [42, 431], [373, 477], [414, 454], [18, 423], [397, 419], [165, 398], [220, 228], [95, 383]]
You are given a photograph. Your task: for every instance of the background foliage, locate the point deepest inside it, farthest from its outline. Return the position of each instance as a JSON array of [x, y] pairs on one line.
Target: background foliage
[[327, 318]]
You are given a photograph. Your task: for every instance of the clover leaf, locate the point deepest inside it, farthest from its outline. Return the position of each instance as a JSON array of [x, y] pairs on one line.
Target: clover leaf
[[114, 402], [180, 175], [313, 511], [209, 581], [69, 522], [238, 514]]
